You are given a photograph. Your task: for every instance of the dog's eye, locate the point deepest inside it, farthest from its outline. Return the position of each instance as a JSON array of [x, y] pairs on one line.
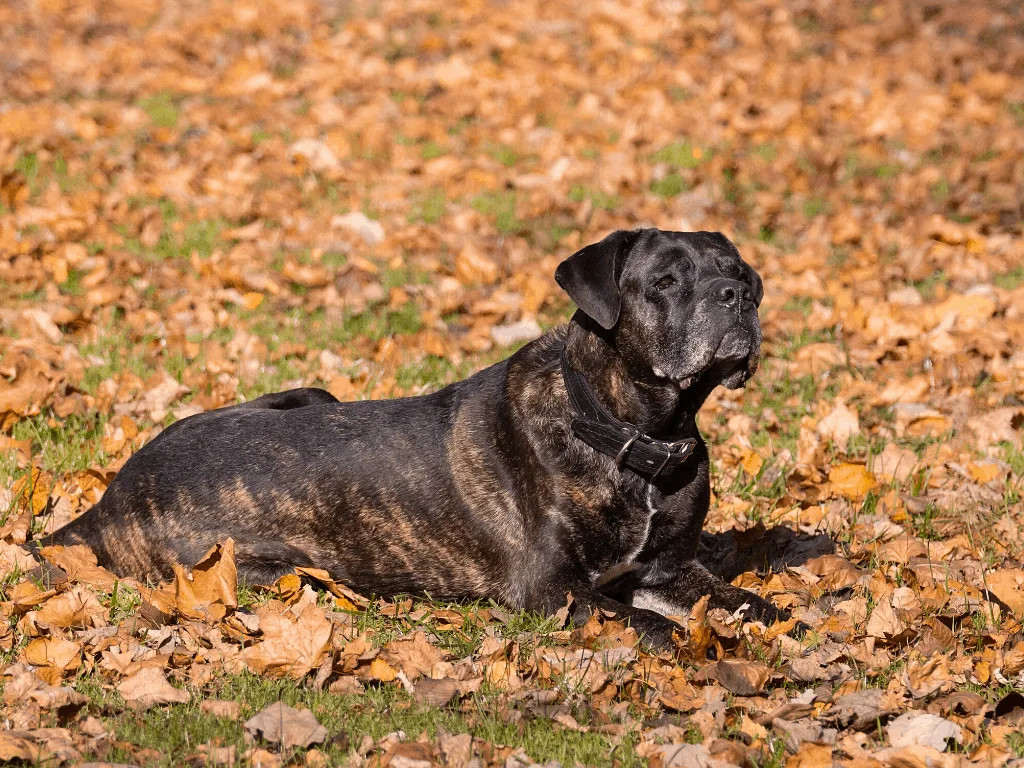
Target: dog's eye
[[665, 282]]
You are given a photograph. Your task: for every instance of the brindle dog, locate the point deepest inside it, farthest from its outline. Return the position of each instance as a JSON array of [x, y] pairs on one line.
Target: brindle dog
[[488, 488]]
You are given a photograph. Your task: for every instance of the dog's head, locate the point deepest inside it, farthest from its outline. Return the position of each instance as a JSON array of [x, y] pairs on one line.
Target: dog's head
[[680, 306]]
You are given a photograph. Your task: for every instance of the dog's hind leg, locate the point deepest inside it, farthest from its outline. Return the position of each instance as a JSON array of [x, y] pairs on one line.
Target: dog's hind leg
[[263, 564], [292, 398]]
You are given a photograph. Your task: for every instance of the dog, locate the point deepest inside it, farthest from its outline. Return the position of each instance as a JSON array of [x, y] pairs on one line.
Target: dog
[[577, 457]]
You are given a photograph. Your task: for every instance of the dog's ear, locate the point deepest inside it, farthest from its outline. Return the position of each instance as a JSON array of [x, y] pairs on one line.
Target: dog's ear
[[591, 276]]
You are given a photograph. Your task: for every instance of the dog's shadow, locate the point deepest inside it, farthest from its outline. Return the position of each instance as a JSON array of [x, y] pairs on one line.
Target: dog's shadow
[[759, 549]]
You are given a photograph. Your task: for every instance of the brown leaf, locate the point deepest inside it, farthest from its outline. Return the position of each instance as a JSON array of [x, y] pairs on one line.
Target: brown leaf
[[839, 425], [860, 710], [61, 655], [852, 481], [210, 590], [77, 609], [436, 693], [811, 755], [345, 598], [292, 645], [14, 557], [472, 266], [1008, 585], [699, 635], [229, 710], [414, 656], [922, 729], [149, 688], [15, 745], [80, 564], [744, 678], [883, 622], [281, 724]]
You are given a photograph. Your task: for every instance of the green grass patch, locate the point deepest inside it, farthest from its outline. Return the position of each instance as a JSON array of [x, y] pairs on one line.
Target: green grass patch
[[681, 154], [815, 206], [177, 731], [599, 199], [501, 207], [1010, 280], [430, 207], [161, 109], [670, 186], [505, 155]]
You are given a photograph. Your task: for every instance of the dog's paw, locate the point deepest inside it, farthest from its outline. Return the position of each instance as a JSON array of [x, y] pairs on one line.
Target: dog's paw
[[759, 609], [655, 630], [799, 630], [765, 612]]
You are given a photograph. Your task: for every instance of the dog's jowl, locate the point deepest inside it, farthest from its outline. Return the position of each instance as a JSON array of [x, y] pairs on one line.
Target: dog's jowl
[[576, 457]]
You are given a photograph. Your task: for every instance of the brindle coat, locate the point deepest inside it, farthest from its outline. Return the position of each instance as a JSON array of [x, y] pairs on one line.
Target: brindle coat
[[479, 490]]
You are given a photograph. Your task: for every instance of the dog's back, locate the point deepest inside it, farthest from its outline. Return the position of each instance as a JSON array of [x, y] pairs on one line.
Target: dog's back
[[387, 495]]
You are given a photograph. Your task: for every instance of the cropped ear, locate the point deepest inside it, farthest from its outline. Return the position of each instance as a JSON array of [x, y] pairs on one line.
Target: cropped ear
[[591, 276]]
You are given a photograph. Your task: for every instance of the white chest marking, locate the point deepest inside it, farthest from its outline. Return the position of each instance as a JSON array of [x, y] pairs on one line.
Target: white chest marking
[[623, 566], [651, 511]]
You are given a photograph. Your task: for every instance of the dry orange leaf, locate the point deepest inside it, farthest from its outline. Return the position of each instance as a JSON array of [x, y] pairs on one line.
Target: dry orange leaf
[[80, 564], [852, 481], [61, 655], [210, 590], [984, 472], [1008, 585], [77, 609], [292, 645], [149, 688]]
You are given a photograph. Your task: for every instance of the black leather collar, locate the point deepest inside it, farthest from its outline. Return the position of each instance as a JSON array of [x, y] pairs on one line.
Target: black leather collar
[[624, 442]]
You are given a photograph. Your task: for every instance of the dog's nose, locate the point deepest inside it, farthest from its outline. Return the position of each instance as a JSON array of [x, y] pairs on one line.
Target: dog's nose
[[729, 292]]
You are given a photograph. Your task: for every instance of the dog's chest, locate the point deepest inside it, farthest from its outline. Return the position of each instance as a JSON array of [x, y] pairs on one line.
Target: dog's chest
[[628, 530], [634, 535]]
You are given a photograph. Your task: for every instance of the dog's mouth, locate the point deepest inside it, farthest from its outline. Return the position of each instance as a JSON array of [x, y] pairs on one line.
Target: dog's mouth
[[731, 364], [717, 372]]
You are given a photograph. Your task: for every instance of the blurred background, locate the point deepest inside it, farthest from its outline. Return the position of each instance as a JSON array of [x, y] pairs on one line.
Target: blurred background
[[204, 201]]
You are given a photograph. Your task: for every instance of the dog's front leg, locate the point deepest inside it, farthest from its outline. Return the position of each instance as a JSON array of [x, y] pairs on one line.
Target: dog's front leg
[[653, 628], [690, 581]]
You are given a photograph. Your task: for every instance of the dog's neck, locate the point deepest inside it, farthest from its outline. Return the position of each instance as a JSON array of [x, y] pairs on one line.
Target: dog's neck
[[653, 407]]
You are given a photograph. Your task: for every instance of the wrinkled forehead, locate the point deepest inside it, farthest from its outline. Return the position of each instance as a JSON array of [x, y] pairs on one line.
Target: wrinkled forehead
[[710, 252]]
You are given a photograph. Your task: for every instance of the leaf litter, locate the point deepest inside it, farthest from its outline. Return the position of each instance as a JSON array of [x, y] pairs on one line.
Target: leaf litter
[[201, 205]]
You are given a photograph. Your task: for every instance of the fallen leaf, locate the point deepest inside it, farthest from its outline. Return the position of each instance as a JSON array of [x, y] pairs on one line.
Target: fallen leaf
[[210, 589], [292, 645], [291, 728], [414, 656], [149, 688], [744, 678], [1008, 585], [922, 729], [839, 425]]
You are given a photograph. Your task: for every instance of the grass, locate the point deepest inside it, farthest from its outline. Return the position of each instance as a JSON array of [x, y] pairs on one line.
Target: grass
[[161, 109], [680, 154], [430, 207], [177, 731], [58, 445], [599, 199], [670, 186], [1010, 280], [501, 207]]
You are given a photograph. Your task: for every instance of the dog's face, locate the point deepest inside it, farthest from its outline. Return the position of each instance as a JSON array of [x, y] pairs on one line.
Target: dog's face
[[682, 306]]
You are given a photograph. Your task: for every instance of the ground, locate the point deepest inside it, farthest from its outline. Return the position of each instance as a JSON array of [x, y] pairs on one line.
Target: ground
[[202, 202]]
